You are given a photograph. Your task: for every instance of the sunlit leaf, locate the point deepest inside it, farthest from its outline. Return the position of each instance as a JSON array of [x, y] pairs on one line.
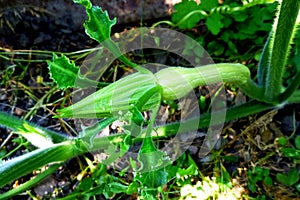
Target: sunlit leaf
[[153, 179], [184, 8], [98, 26], [63, 71], [290, 152]]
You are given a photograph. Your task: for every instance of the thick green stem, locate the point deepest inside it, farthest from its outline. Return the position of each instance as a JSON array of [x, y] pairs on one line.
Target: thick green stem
[[283, 31], [22, 165], [237, 112], [251, 89], [29, 184], [246, 109], [21, 125], [264, 61], [17, 167]]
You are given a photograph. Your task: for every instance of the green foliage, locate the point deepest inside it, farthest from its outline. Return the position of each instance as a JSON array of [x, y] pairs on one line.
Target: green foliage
[[293, 152], [194, 185], [258, 174], [288, 179], [66, 74], [291, 178], [98, 26], [214, 23], [229, 23], [99, 183], [282, 141], [153, 179], [144, 91], [184, 9], [63, 71], [7, 74], [290, 151]]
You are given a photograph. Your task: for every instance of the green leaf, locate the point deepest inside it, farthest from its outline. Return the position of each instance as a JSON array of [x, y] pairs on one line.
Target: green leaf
[[98, 26], [85, 3], [240, 16], [184, 8], [117, 187], [282, 141], [297, 142], [252, 187], [265, 172], [63, 71], [86, 184], [193, 49], [290, 152], [191, 170], [288, 179], [153, 162], [232, 48], [149, 194], [214, 23], [207, 5], [264, 14], [227, 22], [153, 179], [148, 146], [215, 48], [133, 188], [2, 152], [268, 181], [150, 157]]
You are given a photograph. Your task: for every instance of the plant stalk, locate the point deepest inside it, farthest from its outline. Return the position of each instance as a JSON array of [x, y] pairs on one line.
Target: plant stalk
[[283, 31], [29, 184], [20, 125], [19, 166]]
